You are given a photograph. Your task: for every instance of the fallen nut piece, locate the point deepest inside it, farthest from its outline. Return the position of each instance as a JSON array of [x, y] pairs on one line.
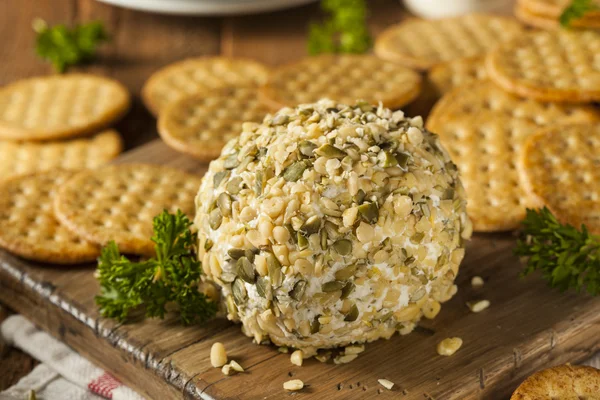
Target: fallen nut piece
[[236, 366], [297, 358], [218, 356], [449, 346], [477, 281], [226, 370], [386, 383], [354, 349], [344, 359], [477, 306], [294, 384]]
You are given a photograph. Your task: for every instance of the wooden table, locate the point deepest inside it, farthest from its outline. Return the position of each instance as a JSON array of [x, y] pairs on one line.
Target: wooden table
[[142, 43]]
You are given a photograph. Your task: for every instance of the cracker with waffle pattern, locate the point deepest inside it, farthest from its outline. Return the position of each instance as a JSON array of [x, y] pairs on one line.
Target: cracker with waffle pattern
[[563, 382], [560, 169], [422, 44], [60, 106], [445, 77], [551, 8], [528, 17], [75, 154], [200, 124], [202, 74], [549, 66], [119, 202], [484, 96], [343, 78], [29, 227]]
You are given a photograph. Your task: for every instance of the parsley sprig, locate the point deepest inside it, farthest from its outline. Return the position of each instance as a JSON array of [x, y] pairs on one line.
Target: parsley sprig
[[170, 278], [567, 258], [576, 10], [344, 31], [63, 46]]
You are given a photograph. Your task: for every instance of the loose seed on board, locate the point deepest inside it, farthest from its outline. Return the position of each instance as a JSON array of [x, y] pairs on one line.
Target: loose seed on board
[[218, 356], [293, 385]]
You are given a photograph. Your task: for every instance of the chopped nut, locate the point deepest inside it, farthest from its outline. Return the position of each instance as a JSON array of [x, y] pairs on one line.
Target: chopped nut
[[344, 359], [294, 384], [477, 282], [235, 366], [477, 306], [449, 346], [218, 356], [297, 358], [354, 349], [386, 383], [283, 349], [226, 370]]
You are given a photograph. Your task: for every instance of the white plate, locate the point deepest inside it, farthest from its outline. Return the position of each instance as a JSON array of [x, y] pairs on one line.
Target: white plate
[[206, 7]]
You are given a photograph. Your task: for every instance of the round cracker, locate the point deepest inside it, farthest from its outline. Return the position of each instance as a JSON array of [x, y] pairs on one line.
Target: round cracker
[[559, 168], [422, 44], [561, 382], [344, 78], [556, 65], [20, 158], [200, 124], [486, 148], [445, 77], [119, 202], [29, 227], [528, 17], [476, 97], [551, 8], [60, 106], [199, 75]]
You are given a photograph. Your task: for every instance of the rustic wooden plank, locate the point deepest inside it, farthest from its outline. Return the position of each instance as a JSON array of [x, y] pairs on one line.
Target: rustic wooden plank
[[528, 326], [14, 363]]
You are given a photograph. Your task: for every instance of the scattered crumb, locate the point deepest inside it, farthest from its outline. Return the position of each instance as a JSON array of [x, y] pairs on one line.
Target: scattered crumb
[[478, 306], [449, 346], [350, 386], [290, 374], [386, 383], [226, 370], [236, 367], [293, 385], [297, 357], [379, 391], [477, 282], [339, 386]]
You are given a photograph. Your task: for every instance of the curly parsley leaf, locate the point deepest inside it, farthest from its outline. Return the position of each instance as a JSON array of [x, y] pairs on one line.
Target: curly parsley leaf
[[150, 285], [64, 47], [576, 10], [344, 31], [567, 258]]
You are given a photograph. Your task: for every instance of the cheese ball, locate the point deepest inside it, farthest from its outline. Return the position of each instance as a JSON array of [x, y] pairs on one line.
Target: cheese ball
[[332, 224]]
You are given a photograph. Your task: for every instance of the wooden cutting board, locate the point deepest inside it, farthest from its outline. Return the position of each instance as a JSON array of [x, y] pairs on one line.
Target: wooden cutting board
[[527, 327]]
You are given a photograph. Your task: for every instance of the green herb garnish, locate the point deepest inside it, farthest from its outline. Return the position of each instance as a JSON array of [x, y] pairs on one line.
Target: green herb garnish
[[344, 31], [64, 47], [576, 10], [568, 258], [170, 278]]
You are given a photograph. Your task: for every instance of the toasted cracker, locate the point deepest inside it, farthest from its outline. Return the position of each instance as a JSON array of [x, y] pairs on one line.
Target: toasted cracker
[[20, 158], [344, 78], [526, 16], [201, 74], [560, 168], [564, 382], [472, 98], [422, 44], [60, 106], [551, 8], [486, 147], [549, 66], [29, 227], [445, 77], [118, 202], [200, 124]]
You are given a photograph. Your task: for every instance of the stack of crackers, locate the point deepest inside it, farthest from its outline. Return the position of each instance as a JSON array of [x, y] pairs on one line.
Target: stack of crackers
[[545, 14]]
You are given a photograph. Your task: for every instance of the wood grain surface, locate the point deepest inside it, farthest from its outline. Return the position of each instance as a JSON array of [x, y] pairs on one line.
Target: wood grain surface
[[528, 326]]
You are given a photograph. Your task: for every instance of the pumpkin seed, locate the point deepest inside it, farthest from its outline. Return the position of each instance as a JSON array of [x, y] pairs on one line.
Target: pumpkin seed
[[332, 230], [230, 304], [298, 291], [323, 239], [302, 241], [261, 152], [227, 277], [332, 286], [343, 247], [294, 171], [236, 253], [224, 203], [347, 290], [448, 194], [218, 178], [208, 244], [274, 267], [280, 119], [245, 161], [315, 325], [245, 270], [263, 287], [231, 161], [402, 159], [417, 237], [215, 218], [409, 260], [307, 148], [346, 272], [249, 254], [239, 291], [369, 212], [330, 151], [234, 185], [311, 225], [259, 182], [352, 314], [418, 295], [359, 197], [386, 316], [389, 160], [292, 232]]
